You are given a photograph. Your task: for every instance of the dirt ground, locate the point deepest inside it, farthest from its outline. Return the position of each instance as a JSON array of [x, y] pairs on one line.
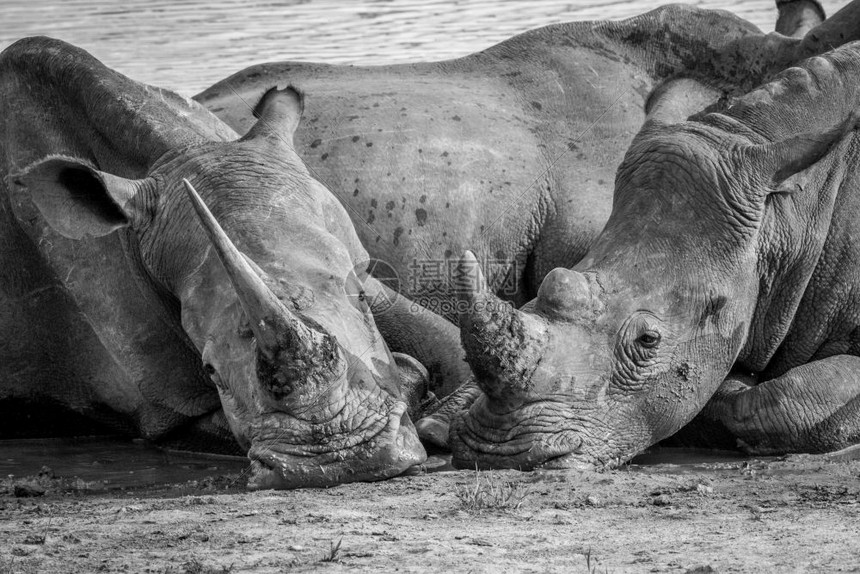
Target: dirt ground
[[795, 514]]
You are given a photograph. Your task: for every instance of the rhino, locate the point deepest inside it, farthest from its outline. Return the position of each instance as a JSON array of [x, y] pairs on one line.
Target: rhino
[[165, 278], [725, 286], [511, 151]]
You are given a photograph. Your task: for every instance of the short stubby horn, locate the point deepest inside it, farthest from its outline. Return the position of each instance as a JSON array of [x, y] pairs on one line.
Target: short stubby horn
[[503, 345], [289, 349]]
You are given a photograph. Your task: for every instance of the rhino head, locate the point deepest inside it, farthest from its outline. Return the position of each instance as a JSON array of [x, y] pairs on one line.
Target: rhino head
[[268, 294], [624, 349]]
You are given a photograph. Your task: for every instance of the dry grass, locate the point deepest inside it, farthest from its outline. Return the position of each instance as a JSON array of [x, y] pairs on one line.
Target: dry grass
[[491, 492], [592, 564], [195, 566], [334, 549]]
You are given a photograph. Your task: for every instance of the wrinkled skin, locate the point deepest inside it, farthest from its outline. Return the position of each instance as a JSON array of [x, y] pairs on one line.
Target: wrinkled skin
[[728, 272], [125, 300], [510, 152]]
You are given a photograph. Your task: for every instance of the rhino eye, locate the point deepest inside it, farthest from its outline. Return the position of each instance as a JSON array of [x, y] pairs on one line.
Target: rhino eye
[[649, 339]]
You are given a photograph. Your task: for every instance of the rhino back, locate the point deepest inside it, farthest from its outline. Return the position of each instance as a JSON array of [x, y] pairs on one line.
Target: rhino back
[[83, 323], [510, 152], [431, 159], [48, 352]]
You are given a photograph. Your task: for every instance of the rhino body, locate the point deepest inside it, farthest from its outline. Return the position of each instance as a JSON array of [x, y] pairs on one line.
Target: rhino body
[[725, 283], [125, 304], [512, 151]]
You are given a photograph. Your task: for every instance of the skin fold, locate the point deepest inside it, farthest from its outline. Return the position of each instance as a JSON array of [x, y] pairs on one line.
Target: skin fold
[[724, 282], [166, 279]]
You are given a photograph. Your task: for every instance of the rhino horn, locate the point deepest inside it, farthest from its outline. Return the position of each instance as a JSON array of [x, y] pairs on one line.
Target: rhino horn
[[503, 345], [274, 326], [471, 282]]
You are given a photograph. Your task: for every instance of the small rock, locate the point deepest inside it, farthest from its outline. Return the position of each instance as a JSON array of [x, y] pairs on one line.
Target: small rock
[[46, 472], [661, 500], [431, 516], [706, 569], [28, 490], [704, 490], [295, 548], [592, 500]]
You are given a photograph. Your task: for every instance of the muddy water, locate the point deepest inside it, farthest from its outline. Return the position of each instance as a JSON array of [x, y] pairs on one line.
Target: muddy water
[[188, 45], [106, 463]]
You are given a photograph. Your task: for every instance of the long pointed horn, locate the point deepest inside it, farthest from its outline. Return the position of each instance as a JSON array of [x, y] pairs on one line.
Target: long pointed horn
[[274, 326], [503, 345]]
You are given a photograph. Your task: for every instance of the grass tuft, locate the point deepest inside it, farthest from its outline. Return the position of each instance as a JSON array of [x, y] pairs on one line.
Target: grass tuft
[[492, 493], [592, 563], [195, 566], [334, 549]]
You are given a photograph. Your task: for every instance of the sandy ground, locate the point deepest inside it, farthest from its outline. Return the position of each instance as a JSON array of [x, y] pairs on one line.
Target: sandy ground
[[795, 514]]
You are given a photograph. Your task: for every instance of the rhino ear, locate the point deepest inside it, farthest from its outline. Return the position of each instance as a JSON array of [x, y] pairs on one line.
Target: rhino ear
[[78, 200], [278, 113], [782, 159]]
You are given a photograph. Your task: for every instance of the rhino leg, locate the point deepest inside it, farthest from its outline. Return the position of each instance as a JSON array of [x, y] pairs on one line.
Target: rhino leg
[[812, 408], [433, 428]]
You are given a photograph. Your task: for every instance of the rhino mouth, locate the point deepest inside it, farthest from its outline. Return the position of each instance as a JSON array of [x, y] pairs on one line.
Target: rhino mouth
[[569, 461], [379, 454], [541, 434], [539, 452]]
